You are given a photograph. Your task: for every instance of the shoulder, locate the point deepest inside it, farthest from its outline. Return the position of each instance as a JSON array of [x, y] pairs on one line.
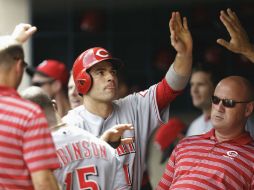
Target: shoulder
[[22, 106], [192, 141], [76, 110]]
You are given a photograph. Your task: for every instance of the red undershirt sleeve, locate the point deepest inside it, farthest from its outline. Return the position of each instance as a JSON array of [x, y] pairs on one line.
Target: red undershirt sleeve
[[165, 94]]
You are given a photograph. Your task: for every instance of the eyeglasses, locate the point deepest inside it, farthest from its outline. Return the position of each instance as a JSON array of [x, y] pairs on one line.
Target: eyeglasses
[[226, 102], [39, 84]]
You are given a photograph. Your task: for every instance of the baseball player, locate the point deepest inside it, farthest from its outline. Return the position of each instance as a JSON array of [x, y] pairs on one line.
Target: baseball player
[[86, 161], [94, 73]]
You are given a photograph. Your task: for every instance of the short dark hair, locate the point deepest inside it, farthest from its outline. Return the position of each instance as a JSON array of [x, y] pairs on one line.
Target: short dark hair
[[215, 74], [11, 53]]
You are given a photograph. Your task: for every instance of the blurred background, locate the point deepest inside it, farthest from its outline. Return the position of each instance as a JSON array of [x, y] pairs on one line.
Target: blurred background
[[135, 31]]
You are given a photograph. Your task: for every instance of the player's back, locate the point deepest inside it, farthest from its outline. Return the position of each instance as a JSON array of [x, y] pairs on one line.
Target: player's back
[[86, 161]]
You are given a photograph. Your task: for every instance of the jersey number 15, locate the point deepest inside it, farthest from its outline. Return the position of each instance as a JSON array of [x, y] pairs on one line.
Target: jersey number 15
[[82, 176]]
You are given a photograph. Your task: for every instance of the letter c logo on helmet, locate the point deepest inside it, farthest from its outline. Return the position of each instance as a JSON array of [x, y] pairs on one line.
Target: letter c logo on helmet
[[86, 60], [101, 53]]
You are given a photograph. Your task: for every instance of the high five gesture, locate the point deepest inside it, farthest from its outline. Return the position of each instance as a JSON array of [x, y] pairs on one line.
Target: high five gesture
[[239, 42], [181, 40]]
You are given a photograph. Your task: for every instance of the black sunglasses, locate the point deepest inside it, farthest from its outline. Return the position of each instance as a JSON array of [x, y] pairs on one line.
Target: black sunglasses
[[227, 102], [39, 84]]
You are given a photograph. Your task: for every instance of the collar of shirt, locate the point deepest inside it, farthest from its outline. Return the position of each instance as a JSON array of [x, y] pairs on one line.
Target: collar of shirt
[[7, 91], [243, 139]]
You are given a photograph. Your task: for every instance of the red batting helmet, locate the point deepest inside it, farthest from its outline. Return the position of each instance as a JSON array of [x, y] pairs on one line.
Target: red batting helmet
[[86, 60]]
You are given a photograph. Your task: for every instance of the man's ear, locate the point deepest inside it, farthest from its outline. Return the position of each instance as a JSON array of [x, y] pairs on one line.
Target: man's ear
[[249, 109], [19, 67]]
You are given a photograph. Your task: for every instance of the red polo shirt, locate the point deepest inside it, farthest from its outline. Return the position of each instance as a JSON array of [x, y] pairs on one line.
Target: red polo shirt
[[26, 144], [201, 162]]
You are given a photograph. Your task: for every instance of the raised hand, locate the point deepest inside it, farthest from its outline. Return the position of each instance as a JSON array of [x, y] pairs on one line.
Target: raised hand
[[239, 42], [23, 32], [113, 135], [180, 36], [181, 40]]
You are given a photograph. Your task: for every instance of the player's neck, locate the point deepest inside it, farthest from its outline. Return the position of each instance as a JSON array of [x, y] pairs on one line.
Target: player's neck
[[6, 79], [102, 109]]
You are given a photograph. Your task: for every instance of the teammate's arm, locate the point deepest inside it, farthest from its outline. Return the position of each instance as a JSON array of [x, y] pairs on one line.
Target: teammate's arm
[[23, 32], [178, 74], [44, 179], [239, 42]]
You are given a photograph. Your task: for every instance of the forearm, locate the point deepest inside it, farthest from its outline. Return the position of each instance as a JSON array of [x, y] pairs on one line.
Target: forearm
[[44, 180], [166, 93], [47, 184], [179, 73]]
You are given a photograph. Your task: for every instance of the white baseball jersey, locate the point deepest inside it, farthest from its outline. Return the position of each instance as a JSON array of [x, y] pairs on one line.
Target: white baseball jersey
[[87, 162], [139, 109], [199, 126]]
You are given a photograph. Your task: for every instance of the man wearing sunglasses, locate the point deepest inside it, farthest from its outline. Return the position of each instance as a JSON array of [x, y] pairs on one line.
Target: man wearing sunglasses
[[232, 104], [223, 157], [239, 43]]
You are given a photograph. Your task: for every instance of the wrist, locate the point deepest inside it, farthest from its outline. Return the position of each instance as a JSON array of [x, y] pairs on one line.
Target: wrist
[[184, 58], [184, 55], [249, 53], [104, 137], [249, 50], [16, 39]]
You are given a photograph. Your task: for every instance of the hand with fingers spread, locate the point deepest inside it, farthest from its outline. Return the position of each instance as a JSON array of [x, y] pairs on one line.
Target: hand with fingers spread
[[239, 42], [180, 36], [23, 32], [113, 135], [181, 40]]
